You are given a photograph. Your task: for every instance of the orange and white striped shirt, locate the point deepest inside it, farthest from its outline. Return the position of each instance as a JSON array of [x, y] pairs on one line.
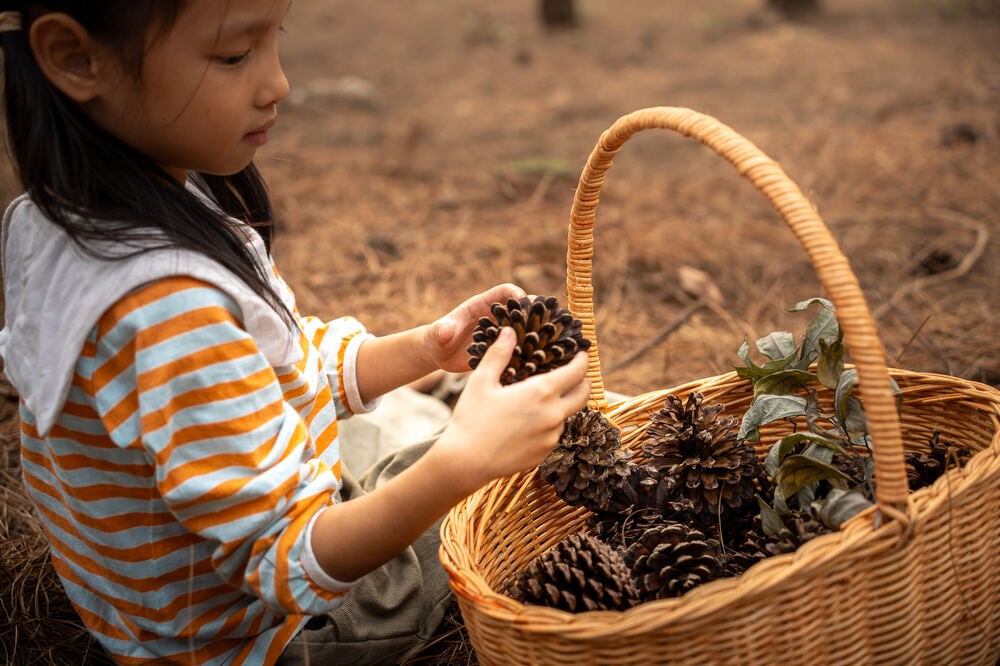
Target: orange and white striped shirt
[[180, 477]]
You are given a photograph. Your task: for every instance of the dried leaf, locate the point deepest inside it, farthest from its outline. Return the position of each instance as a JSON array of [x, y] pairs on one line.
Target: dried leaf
[[698, 284], [766, 409], [840, 505], [783, 382], [770, 520], [799, 471], [778, 346]]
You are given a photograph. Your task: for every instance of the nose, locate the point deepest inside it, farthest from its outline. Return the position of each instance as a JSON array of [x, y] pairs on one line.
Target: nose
[[274, 86]]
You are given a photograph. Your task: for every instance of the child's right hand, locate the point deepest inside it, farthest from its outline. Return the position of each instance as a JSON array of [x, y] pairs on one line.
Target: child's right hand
[[497, 429]]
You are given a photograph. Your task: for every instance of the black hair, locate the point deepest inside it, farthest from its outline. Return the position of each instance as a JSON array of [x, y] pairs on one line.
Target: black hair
[[100, 190]]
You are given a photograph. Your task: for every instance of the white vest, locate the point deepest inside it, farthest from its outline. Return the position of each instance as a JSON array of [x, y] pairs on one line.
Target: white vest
[[55, 293]]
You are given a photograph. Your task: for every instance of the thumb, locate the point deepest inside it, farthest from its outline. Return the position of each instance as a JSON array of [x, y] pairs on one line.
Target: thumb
[[497, 355], [444, 330]]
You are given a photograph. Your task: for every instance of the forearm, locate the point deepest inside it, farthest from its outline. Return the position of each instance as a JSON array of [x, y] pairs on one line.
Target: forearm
[[391, 361], [352, 538]]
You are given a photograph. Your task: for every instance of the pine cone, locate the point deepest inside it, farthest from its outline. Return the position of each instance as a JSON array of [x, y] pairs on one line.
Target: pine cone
[[580, 573], [588, 463], [923, 469], [547, 336], [621, 530], [698, 447], [858, 467], [672, 558], [644, 488], [799, 528]]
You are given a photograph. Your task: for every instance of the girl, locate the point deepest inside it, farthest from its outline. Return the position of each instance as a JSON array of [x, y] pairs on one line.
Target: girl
[[179, 416]]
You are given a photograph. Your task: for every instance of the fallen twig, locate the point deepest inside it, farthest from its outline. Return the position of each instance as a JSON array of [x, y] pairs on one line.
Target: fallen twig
[[963, 267]]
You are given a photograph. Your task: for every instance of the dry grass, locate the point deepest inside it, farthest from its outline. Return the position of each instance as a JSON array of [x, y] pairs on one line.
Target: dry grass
[[40, 626]]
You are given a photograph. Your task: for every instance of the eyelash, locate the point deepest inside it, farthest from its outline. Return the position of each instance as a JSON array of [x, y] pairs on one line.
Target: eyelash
[[233, 60]]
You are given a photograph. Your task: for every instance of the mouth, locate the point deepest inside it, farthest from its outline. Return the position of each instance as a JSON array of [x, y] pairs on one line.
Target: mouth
[[259, 136]]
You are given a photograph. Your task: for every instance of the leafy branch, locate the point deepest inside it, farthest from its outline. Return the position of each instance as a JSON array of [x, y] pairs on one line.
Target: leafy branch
[[825, 471]]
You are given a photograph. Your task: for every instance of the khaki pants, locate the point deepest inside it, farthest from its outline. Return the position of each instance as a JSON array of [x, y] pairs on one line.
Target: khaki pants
[[392, 612]]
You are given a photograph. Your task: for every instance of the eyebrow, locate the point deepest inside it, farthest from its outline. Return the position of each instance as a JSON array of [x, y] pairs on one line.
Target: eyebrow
[[248, 27]]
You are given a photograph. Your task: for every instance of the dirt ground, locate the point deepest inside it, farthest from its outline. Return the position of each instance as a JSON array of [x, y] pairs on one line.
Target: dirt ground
[[430, 150]]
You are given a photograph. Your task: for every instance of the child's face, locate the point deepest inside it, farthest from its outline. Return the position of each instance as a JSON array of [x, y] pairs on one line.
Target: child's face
[[209, 88]]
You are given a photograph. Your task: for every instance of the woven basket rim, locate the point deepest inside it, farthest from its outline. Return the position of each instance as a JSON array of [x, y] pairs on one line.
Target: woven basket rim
[[763, 577]]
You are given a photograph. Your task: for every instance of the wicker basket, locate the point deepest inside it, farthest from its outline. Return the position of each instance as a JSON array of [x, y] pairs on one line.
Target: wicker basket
[[914, 579]]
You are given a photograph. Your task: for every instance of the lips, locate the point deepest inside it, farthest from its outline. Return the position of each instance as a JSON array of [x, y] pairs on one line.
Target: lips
[[259, 136]]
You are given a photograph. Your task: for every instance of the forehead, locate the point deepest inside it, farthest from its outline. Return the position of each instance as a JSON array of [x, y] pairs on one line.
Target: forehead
[[220, 19]]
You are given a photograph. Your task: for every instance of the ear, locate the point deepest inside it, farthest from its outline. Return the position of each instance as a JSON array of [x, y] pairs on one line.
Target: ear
[[66, 55]]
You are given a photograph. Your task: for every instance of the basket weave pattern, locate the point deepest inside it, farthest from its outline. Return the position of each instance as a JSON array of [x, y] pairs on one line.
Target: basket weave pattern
[[915, 579]]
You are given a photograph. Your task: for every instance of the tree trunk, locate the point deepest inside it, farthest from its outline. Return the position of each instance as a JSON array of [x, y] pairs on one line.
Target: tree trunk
[[558, 13]]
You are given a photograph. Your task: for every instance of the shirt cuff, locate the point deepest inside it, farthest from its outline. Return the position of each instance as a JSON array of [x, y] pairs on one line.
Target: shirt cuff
[[313, 568], [350, 376]]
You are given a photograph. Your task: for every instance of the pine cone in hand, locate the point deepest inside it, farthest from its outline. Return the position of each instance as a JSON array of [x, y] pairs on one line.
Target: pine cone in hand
[[548, 336]]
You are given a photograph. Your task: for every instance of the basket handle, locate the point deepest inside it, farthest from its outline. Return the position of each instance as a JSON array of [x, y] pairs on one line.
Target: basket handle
[[831, 266]]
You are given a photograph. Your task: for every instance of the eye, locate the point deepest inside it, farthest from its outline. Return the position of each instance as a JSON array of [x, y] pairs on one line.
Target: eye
[[233, 59]]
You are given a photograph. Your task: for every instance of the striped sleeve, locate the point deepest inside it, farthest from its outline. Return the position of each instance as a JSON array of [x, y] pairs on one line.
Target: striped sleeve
[[338, 342], [177, 376]]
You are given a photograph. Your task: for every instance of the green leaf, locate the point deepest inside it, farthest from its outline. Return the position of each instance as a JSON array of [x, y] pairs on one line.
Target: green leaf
[[840, 505], [754, 372], [789, 443], [799, 471], [854, 422], [779, 501], [823, 329], [813, 414], [770, 520], [830, 364], [848, 379], [778, 346], [802, 305], [777, 453], [767, 408], [783, 382], [817, 451]]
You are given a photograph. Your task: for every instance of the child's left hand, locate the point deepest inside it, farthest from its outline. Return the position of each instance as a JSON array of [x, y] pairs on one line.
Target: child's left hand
[[449, 337]]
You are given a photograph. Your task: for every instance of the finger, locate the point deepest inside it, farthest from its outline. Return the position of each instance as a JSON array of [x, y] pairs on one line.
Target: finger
[[571, 375], [558, 383], [502, 292], [577, 397], [497, 356]]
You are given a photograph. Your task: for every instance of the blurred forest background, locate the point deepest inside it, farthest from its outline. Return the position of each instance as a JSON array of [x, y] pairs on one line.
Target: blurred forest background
[[430, 151]]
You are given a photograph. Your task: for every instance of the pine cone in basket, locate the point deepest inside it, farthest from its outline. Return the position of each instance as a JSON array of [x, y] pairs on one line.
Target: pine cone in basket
[[621, 530], [924, 468], [580, 573], [698, 447], [645, 488], [548, 336], [588, 463], [799, 528], [671, 558]]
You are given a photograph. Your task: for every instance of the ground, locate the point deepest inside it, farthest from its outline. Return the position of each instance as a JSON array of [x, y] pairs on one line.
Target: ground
[[431, 150]]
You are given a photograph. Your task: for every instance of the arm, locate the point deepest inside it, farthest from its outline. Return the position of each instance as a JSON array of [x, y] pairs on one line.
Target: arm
[[230, 458], [391, 361], [495, 430]]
